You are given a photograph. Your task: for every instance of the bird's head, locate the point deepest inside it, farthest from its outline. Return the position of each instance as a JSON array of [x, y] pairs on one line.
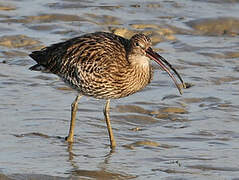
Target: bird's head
[[141, 46]]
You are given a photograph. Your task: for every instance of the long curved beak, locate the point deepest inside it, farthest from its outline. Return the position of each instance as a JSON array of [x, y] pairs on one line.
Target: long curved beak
[[160, 60]]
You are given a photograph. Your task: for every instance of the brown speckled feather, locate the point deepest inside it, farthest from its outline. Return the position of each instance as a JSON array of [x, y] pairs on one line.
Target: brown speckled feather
[[100, 64]]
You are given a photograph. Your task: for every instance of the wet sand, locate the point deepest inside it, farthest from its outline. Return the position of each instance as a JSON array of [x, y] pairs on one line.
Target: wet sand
[[160, 134]]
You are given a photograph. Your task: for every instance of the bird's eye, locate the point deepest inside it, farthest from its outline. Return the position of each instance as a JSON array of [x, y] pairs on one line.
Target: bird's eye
[[137, 44]]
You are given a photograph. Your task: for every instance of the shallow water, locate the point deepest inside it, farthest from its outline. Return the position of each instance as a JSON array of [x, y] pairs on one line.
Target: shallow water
[[160, 134]]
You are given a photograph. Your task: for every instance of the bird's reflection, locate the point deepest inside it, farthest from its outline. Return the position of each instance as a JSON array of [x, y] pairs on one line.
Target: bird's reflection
[[71, 154], [102, 173], [69, 150]]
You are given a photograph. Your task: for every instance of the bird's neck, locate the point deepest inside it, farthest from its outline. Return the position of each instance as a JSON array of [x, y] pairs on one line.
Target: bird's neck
[[140, 72], [141, 62]]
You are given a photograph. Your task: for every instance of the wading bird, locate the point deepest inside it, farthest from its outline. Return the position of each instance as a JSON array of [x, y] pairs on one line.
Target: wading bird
[[104, 66]]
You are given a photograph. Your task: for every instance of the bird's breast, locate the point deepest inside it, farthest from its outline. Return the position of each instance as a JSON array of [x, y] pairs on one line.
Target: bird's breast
[[142, 62], [135, 79]]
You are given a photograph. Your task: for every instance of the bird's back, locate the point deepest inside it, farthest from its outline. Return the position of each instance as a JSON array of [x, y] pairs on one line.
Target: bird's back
[[80, 50]]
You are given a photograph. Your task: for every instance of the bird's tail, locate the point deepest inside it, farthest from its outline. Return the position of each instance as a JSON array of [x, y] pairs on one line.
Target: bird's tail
[[37, 67], [38, 57]]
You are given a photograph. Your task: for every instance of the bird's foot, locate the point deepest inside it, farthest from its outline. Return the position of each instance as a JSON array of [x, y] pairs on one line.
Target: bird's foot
[[69, 139]]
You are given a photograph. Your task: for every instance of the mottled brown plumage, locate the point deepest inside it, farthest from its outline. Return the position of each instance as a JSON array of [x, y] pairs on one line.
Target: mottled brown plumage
[[101, 65], [97, 65]]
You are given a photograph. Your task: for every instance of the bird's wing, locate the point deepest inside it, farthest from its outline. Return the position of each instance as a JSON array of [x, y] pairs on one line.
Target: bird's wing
[[91, 52]]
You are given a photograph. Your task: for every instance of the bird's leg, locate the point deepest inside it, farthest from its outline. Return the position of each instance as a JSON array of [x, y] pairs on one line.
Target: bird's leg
[[74, 107], [107, 118]]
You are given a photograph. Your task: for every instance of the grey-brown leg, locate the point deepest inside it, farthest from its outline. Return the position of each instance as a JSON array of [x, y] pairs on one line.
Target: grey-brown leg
[[74, 107], [107, 118]]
